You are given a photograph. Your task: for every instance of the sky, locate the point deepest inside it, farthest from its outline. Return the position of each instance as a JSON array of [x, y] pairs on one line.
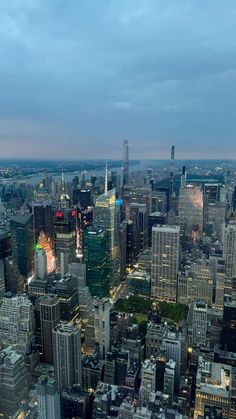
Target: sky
[[77, 77]]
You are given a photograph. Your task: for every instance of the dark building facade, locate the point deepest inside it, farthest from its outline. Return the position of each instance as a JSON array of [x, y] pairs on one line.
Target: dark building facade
[[22, 243]]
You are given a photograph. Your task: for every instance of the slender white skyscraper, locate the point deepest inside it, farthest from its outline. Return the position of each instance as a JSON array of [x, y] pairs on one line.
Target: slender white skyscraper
[[126, 163], [165, 262]]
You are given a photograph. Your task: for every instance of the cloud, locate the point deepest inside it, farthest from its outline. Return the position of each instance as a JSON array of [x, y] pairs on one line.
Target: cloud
[[89, 73]]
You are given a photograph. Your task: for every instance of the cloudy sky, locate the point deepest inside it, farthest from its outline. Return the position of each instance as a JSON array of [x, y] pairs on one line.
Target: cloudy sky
[[77, 77]]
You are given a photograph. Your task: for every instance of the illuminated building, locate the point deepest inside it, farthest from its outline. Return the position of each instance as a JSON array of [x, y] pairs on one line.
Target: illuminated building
[[196, 283], [41, 193], [190, 211], [42, 219], [97, 259], [22, 243], [65, 233], [49, 318], [165, 262], [105, 217], [67, 355], [213, 383], [46, 245], [49, 406]]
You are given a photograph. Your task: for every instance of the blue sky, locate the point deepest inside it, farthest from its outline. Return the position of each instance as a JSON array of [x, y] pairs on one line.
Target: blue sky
[[77, 77]]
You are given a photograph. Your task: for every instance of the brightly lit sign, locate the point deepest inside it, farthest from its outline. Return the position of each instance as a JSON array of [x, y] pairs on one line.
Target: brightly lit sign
[[119, 202], [59, 214]]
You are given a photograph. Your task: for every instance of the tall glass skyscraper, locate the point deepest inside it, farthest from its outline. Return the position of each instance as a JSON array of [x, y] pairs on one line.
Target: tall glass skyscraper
[[97, 259], [105, 217]]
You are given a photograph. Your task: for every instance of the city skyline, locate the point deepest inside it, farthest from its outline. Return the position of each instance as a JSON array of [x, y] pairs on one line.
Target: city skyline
[[78, 79]]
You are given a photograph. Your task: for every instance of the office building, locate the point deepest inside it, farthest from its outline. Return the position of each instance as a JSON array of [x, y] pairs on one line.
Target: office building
[[2, 279], [105, 217], [169, 380], [196, 282], [97, 260], [190, 211], [148, 374], [102, 325], [49, 318], [165, 262], [43, 219], [48, 397], [228, 335], [17, 323], [172, 343], [66, 289], [22, 243], [67, 355], [82, 198], [229, 252], [213, 383], [197, 323], [65, 233], [13, 381], [40, 263]]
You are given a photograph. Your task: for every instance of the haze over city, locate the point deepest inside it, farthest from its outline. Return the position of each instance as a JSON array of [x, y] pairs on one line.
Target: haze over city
[[77, 78]]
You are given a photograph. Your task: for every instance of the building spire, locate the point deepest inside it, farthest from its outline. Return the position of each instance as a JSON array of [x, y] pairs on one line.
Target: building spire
[[63, 189], [106, 179]]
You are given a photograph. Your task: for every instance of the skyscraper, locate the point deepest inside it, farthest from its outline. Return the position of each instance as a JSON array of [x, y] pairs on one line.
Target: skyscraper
[[40, 263], [13, 381], [105, 212], [125, 163], [42, 219], [22, 243], [17, 323], [228, 335], [102, 325], [48, 398], [67, 355], [191, 208], [49, 318], [165, 262], [229, 253], [97, 259]]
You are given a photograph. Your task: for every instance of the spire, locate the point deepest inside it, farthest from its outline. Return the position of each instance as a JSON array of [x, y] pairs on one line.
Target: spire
[[63, 189], [106, 179]]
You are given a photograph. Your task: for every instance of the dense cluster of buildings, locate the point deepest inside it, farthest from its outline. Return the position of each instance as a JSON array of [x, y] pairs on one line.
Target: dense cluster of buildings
[[72, 251]]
